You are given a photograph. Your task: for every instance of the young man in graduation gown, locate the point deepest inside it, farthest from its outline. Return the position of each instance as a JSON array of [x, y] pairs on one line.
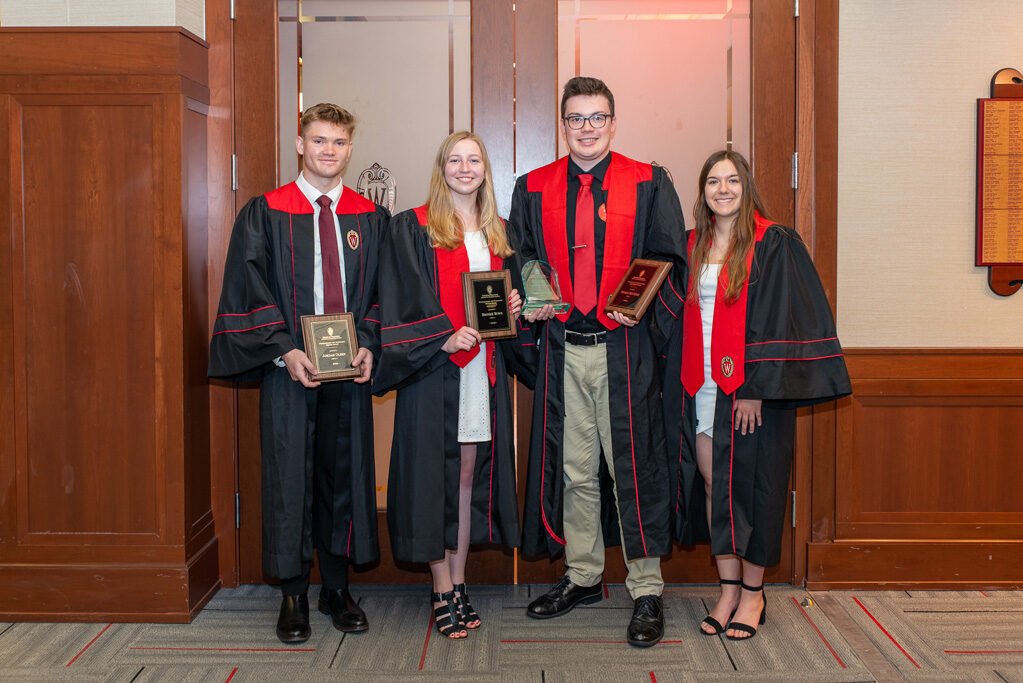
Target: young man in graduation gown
[[597, 462], [309, 247]]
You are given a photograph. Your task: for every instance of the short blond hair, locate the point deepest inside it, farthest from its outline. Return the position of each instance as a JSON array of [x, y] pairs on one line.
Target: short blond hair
[[328, 113]]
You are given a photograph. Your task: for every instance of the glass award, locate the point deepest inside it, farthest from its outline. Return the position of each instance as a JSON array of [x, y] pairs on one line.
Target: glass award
[[540, 282]]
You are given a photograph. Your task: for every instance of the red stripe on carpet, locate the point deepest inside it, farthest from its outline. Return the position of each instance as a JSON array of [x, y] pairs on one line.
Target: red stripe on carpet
[[89, 645], [901, 649], [232, 675], [653, 679], [584, 642], [607, 594], [831, 649], [229, 649], [985, 594], [426, 644]]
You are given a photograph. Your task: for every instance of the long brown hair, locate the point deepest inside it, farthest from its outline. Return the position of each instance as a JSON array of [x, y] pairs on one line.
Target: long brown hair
[[743, 229], [442, 222]]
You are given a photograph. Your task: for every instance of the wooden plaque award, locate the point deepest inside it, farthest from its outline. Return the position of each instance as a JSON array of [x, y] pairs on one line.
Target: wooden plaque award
[[486, 303], [331, 345], [638, 287]]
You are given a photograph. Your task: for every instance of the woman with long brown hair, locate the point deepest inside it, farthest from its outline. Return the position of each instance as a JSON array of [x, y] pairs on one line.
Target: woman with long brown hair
[[759, 341], [452, 478]]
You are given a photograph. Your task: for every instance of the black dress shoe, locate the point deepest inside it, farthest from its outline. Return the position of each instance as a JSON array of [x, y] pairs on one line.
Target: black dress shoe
[[647, 625], [563, 597], [343, 610], [293, 621]]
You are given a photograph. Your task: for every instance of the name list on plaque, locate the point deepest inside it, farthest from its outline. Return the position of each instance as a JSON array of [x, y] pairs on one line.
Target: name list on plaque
[[1000, 182]]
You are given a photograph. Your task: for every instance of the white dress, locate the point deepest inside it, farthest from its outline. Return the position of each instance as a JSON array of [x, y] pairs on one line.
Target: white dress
[[706, 397], [473, 383]]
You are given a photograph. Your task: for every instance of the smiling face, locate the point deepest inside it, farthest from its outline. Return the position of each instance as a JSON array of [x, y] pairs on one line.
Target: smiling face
[[325, 149], [464, 170], [588, 145], [723, 189]]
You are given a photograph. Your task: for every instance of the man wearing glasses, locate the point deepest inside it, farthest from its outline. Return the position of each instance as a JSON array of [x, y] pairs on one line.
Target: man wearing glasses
[[598, 376]]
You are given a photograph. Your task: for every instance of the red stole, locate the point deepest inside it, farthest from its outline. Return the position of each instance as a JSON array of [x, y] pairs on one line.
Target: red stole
[[728, 338], [620, 181], [450, 266]]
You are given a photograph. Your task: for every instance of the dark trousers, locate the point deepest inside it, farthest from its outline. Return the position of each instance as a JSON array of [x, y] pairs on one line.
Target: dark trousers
[[330, 490]]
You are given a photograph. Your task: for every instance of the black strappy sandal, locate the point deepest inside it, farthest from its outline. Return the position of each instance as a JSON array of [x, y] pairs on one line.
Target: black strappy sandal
[[446, 617], [468, 615], [711, 621], [746, 628]]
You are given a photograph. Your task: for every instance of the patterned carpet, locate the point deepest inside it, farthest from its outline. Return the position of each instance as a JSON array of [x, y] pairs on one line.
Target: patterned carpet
[[832, 636]]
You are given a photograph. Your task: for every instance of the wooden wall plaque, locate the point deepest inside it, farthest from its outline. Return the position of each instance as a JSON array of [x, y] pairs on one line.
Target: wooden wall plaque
[[1000, 182]]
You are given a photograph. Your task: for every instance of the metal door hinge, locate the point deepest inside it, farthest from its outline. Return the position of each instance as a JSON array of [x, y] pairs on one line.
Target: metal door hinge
[[234, 172], [232, 8], [793, 509], [795, 9], [795, 170], [237, 510]]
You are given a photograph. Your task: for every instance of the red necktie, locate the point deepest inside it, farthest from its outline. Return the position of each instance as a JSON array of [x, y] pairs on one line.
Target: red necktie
[[333, 290], [585, 254]]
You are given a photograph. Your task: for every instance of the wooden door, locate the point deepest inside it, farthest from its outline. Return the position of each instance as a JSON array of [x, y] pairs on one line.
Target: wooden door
[[515, 99]]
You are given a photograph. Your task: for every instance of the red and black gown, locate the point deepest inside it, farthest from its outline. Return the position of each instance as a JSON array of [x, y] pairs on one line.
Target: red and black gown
[[777, 342], [421, 306], [644, 220], [268, 286]]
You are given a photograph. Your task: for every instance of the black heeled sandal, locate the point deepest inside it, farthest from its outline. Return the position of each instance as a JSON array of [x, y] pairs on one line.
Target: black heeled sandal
[[711, 621], [468, 615], [746, 628], [449, 624]]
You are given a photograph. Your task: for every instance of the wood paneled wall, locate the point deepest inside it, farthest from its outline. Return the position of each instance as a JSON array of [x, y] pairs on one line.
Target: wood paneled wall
[[104, 474], [925, 485]]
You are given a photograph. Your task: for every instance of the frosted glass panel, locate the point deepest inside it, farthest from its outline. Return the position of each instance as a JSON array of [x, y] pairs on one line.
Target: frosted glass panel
[[401, 67], [679, 71]]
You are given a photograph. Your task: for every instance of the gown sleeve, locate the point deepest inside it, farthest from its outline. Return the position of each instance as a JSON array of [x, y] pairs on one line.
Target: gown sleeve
[[792, 350], [666, 242], [368, 329], [413, 325], [250, 329]]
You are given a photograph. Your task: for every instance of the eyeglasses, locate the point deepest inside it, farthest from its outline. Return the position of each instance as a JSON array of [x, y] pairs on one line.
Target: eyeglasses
[[575, 122]]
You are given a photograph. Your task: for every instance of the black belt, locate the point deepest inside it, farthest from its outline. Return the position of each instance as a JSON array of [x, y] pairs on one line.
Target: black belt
[[585, 338]]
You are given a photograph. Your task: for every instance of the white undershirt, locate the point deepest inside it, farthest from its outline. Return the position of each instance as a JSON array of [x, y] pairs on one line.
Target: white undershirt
[[312, 194]]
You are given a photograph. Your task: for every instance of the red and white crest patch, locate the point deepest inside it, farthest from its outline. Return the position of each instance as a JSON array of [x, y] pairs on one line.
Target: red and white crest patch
[[602, 212], [353, 239], [727, 366]]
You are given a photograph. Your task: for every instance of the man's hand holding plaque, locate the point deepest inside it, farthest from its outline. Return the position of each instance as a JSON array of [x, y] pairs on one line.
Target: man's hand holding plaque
[[639, 286], [543, 295], [332, 351]]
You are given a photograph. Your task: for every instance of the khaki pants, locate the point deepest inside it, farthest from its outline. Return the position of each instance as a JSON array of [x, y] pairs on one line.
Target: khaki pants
[[587, 428]]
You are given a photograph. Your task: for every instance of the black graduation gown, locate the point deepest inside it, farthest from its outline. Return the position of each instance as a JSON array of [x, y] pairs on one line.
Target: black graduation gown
[[792, 358], [422, 490], [268, 286], [644, 220]]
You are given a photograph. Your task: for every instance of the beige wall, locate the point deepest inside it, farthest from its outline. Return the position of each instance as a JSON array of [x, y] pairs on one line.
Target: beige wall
[[910, 73], [189, 14]]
